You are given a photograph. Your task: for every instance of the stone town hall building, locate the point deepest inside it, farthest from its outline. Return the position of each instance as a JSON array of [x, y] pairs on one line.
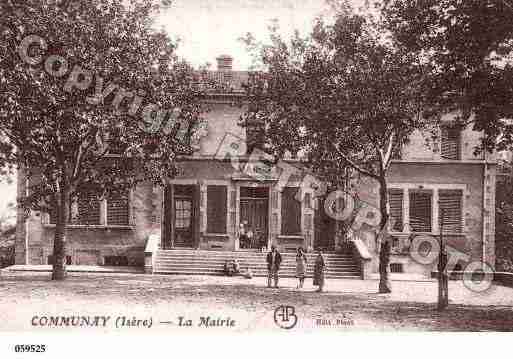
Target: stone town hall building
[[204, 206]]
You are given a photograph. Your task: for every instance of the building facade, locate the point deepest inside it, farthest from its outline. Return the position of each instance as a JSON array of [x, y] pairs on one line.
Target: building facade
[[211, 199]]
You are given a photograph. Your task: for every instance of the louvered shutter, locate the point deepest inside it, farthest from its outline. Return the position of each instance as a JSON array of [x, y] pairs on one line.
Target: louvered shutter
[[216, 209], [89, 209], [450, 208], [395, 200], [290, 212], [451, 143], [196, 215], [420, 211], [117, 209], [169, 223]]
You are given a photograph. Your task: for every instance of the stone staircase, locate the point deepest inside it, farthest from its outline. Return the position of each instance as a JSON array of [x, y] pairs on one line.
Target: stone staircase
[[183, 261]]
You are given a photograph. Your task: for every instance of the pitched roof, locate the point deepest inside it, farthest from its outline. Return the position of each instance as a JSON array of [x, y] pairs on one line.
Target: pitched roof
[[222, 82]]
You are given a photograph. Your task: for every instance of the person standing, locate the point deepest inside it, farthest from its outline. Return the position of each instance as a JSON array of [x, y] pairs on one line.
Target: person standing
[[273, 266], [250, 235], [300, 267], [319, 268], [243, 237]]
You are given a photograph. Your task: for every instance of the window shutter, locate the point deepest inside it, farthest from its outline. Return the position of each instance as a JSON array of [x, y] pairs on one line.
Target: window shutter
[[451, 143], [275, 213], [420, 211], [89, 209], [395, 200], [169, 224], [290, 212], [216, 209], [196, 215], [450, 208], [117, 209], [254, 138]]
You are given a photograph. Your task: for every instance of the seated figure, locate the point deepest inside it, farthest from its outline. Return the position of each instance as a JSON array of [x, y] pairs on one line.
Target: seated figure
[[231, 267]]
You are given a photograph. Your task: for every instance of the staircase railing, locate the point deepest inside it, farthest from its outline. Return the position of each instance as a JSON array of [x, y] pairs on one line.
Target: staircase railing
[[150, 252], [362, 254]]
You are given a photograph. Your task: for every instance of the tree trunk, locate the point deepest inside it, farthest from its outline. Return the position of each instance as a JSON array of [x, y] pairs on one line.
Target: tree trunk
[[443, 285], [384, 253], [59, 242]]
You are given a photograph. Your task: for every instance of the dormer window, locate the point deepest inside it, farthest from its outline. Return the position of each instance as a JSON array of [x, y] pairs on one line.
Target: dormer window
[[451, 143], [254, 138]]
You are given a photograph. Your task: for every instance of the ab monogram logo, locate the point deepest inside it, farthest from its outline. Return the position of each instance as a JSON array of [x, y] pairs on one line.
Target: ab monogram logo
[[285, 316]]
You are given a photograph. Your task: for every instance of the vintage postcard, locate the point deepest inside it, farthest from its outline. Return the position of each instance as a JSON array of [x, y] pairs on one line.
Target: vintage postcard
[[243, 166]]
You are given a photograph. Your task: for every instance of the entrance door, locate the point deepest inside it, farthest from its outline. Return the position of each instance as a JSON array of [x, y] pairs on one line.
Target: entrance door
[[324, 229], [181, 216], [183, 221], [254, 212]]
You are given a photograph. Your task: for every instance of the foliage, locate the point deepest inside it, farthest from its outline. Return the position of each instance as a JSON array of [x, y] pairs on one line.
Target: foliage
[[343, 97], [340, 97], [469, 47], [64, 136], [504, 221], [7, 246], [7, 237]]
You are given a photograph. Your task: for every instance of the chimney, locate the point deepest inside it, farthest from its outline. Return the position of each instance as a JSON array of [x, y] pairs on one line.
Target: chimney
[[224, 63]]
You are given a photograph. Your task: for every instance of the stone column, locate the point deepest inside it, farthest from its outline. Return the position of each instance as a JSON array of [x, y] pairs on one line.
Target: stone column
[[203, 212], [275, 215], [307, 211], [21, 242], [157, 204], [488, 240]]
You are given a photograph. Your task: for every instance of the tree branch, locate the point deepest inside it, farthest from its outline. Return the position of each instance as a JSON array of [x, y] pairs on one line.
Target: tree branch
[[81, 151], [354, 165], [388, 154]]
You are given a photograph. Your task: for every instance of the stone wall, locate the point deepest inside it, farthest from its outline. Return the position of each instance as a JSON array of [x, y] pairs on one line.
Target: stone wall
[[431, 175], [89, 245], [422, 165]]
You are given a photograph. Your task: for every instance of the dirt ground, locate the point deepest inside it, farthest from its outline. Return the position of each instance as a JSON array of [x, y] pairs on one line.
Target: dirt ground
[[346, 304]]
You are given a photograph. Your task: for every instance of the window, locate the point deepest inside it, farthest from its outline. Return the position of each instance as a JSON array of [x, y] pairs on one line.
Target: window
[[254, 192], [253, 139], [451, 143], [216, 209], [396, 268], [395, 200], [290, 212], [183, 208], [450, 208], [88, 209], [116, 261], [117, 209], [420, 211], [254, 135]]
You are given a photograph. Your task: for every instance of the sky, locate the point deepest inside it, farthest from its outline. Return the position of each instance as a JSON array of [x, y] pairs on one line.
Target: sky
[[209, 28]]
